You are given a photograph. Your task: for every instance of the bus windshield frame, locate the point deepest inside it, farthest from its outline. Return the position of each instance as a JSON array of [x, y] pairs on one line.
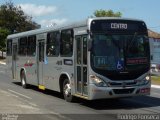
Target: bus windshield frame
[[131, 46]]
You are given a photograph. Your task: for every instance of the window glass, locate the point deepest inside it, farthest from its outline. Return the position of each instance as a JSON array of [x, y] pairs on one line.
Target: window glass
[[85, 80], [23, 46], [85, 50], [79, 84], [78, 50], [119, 52], [9, 47], [53, 44], [41, 51], [67, 43], [31, 46]]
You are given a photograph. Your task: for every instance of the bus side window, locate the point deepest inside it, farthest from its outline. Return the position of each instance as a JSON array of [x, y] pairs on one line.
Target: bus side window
[[52, 44], [9, 47], [23, 46], [66, 48], [31, 47]]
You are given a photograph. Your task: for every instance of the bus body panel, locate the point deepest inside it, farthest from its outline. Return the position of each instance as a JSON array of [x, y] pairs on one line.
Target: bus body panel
[[118, 90], [45, 70]]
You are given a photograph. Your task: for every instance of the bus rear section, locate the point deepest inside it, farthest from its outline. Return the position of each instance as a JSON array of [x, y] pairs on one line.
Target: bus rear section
[[119, 59]]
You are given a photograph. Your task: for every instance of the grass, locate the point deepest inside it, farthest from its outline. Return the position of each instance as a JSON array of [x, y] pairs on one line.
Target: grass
[[155, 80]]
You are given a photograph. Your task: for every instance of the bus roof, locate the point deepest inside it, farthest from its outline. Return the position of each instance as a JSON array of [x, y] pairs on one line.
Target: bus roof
[[70, 25]]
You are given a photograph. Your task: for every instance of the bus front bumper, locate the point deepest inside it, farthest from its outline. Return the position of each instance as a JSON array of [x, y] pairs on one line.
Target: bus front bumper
[[117, 92]]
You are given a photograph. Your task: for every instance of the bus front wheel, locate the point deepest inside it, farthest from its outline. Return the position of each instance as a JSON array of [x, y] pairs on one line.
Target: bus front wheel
[[67, 91]]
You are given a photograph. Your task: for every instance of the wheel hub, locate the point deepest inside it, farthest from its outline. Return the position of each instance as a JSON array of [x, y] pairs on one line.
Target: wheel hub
[[67, 90], [23, 82]]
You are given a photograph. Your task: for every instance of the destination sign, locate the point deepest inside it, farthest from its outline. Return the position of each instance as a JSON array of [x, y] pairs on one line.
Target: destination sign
[[117, 26], [133, 61]]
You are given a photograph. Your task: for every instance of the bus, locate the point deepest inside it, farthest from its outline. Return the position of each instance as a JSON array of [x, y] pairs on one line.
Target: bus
[[98, 58]]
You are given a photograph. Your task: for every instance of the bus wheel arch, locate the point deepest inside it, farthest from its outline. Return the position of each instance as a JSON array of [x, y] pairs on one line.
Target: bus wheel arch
[[23, 78]]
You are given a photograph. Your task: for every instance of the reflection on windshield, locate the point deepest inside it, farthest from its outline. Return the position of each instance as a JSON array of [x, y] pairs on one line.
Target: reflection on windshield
[[117, 52]]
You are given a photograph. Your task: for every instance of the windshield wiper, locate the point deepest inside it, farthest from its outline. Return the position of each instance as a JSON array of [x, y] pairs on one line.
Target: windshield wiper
[[131, 43]]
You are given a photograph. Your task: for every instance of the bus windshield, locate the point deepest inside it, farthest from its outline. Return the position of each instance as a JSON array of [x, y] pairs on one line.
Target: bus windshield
[[119, 52]]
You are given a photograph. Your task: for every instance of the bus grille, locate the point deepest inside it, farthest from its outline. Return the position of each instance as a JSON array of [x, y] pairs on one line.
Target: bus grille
[[123, 91], [117, 84]]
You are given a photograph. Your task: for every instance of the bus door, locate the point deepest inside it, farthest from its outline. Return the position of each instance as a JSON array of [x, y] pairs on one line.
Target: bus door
[[14, 59], [40, 63], [81, 65]]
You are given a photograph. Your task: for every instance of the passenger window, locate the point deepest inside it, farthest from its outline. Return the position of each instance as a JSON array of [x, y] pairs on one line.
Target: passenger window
[[78, 46], [53, 44], [23, 46], [9, 47], [31, 46], [67, 43], [84, 50]]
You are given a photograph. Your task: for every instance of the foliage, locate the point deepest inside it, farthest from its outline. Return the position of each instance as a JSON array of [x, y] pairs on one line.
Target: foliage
[[3, 34], [13, 20], [107, 13]]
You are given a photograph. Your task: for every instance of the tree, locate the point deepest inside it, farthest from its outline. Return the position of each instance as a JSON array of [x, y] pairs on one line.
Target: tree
[[107, 13], [13, 19], [3, 34]]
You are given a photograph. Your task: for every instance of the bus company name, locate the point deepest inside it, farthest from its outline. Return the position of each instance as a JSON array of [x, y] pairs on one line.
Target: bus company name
[[118, 26]]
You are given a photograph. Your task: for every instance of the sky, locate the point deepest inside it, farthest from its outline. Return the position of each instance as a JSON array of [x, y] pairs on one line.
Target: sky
[[47, 12]]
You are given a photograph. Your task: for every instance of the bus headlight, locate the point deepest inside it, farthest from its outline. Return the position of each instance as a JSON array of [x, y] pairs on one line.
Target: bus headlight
[[97, 81], [147, 79], [144, 81]]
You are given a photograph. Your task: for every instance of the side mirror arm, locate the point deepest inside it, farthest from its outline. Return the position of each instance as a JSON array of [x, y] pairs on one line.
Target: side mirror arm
[[89, 44]]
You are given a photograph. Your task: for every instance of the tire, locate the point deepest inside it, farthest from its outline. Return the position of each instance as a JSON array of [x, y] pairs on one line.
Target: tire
[[67, 91], [23, 80]]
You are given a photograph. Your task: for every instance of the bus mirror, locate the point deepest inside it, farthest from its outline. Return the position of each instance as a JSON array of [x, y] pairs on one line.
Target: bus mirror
[[89, 44]]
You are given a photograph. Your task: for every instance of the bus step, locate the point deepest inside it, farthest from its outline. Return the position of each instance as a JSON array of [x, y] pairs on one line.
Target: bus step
[[42, 87]]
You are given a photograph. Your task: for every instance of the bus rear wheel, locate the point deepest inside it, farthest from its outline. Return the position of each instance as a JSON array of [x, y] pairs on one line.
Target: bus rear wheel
[[23, 79], [67, 91]]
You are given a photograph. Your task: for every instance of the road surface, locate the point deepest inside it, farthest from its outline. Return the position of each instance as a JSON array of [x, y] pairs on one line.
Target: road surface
[[33, 104]]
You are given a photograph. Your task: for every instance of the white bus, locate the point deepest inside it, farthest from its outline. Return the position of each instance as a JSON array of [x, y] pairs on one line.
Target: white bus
[[97, 58]]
